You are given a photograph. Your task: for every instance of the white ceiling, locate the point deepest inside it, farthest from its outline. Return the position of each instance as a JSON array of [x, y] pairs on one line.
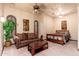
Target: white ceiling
[[52, 9], [61, 9]]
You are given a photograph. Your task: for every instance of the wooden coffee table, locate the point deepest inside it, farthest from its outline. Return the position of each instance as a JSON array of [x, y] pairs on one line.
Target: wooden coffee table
[[37, 45]]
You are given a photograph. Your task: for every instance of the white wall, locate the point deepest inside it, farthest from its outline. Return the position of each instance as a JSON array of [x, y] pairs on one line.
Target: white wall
[[78, 24], [20, 15], [71, 24], [1, 38], [46, 25]]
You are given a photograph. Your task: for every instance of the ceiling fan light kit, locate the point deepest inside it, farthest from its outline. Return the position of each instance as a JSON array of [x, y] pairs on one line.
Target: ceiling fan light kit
[[36, 8]]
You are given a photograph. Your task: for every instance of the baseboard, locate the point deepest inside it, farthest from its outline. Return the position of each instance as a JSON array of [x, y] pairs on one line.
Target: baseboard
[[2, 50], [72, 40]]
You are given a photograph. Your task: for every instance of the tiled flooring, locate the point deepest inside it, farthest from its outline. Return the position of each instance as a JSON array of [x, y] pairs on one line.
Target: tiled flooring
[[69, 49]]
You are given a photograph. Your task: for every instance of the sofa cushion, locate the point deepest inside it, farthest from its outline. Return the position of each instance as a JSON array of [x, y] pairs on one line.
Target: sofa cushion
[[24, 39], [25, 36], [31, 36], [20, 36], [61, 31], [28, 41]]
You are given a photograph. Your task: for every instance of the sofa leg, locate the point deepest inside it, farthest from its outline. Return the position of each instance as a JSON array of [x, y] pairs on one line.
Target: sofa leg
[[17, 47]]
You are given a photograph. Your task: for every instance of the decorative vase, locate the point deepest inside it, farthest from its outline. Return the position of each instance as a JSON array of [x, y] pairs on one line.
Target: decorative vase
[[7, 43]]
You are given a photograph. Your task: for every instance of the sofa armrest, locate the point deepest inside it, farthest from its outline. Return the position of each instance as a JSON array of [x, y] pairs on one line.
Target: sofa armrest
[[17, 41]]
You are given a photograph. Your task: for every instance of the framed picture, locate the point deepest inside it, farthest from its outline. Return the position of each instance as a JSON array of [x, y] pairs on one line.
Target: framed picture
[[64, 25], [25, 25]]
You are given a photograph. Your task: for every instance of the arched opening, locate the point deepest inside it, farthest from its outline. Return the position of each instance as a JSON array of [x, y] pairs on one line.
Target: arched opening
[[36, 28], [13, 18]]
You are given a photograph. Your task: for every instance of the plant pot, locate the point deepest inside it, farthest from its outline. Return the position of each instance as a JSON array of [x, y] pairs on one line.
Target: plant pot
[[7, 43]]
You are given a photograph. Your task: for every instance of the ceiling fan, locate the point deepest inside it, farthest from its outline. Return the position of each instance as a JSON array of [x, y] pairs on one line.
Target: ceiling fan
[[39, 8], [36, 8]]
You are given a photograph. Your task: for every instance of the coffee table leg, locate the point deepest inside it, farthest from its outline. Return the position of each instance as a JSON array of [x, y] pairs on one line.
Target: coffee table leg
[[47, 45], [33, 51], [28, 47]]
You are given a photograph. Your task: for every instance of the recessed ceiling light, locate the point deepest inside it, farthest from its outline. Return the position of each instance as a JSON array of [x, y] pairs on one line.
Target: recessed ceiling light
[[60, 16]]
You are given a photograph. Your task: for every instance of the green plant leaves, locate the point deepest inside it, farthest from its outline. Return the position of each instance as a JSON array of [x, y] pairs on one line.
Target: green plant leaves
[[8, 27]]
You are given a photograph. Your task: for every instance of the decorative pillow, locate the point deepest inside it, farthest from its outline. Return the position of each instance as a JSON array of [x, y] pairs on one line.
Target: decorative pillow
[[55, 37], [57, 31], [16, 37], [60, 32], [49, 37], [20, 36], [31, 36], [24, 36], [59, 38]]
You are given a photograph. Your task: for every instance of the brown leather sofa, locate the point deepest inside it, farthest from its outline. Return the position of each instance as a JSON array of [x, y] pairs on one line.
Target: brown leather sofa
[[24, 39]]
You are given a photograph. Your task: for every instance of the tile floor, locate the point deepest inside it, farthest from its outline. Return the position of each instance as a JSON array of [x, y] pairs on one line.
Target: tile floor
[[69, 49]]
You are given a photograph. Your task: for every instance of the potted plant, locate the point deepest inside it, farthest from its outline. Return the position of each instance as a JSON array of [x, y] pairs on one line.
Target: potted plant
[[8, 27]]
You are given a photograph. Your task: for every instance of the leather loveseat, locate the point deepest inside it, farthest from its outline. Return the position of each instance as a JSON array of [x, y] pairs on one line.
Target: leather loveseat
[[24, 39]]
